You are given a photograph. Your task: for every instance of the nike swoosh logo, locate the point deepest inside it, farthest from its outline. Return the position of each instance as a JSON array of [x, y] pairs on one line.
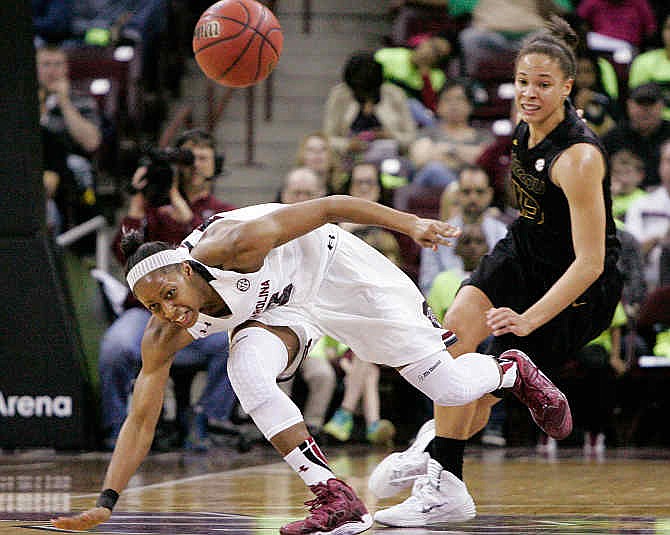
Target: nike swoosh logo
[[578, 304], [429, 509]]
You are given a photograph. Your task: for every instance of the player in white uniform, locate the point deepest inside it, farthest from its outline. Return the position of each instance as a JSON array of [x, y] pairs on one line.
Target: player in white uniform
[[278, 277]]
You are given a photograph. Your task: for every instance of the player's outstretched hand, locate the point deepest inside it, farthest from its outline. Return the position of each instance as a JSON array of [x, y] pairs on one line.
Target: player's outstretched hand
[[431, 233], [504, 320], [83, 521]]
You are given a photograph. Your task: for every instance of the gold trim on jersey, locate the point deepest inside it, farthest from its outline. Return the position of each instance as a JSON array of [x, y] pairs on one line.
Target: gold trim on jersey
[[525, 186]]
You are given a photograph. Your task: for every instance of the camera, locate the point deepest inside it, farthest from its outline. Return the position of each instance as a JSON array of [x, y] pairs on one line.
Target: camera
[[160, 172]]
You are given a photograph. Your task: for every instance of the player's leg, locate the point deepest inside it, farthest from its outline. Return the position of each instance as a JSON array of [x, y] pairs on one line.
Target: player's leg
[[454, 425], [257, 356], [441, 496], [446, 442]]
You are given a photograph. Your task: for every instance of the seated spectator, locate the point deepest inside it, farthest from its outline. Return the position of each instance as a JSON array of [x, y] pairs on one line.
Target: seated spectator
[[474, 199], [589, 94], [643, 131], [365, 117], [648, 219], [365, 182], [303, 184], [443, 149], [626, 173], [361, 383], [420, 72], [617, 25], [499, 26], [316, 153], [167, 216], [72, 122], [654, 66]]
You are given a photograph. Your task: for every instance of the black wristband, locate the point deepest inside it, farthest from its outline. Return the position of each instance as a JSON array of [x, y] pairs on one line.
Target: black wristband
[[107, 499]]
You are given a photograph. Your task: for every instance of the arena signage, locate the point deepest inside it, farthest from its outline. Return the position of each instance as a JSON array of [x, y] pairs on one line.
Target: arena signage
[[35, 406]]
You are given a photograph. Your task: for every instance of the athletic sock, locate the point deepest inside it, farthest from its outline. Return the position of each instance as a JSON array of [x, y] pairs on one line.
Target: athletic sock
[[309, 463], [449, 453], [509, 373]]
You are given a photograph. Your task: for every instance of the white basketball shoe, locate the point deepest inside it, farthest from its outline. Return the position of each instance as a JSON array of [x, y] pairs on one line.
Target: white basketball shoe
[[399, 470], [437, 497]]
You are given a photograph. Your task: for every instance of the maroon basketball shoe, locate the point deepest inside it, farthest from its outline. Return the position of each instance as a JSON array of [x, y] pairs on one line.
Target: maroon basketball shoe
[[547, 404], [336, 510]]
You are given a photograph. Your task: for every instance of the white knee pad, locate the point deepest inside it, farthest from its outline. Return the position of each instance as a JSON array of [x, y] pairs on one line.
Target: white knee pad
[[452, 382], [255, 360]]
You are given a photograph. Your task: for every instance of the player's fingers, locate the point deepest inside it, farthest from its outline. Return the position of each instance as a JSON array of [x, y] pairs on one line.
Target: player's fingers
[[442, 241], [500, 331], [82, 521], [450, 231], [496, 314]]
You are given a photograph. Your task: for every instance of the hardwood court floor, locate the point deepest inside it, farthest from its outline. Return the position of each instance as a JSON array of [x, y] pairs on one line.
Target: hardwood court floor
[[516, 491]]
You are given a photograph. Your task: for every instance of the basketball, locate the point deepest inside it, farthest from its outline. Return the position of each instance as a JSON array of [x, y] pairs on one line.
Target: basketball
[[237, 43]]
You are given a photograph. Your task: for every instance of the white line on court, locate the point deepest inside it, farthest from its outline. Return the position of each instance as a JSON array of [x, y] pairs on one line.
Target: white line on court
[[173, 482]]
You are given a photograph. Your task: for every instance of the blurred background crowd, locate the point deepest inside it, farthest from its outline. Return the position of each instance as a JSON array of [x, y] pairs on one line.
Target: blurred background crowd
[[419, 117]]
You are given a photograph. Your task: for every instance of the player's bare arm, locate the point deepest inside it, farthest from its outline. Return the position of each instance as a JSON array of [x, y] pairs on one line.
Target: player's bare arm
[[243, 246], [579, 172], [137, 431]]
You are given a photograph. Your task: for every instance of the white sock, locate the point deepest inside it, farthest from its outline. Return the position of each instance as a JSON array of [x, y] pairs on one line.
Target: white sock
[[509, 374], [309, 463]]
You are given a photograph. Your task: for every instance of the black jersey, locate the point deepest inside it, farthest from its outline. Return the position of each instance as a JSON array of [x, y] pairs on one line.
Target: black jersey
[[542, 232]]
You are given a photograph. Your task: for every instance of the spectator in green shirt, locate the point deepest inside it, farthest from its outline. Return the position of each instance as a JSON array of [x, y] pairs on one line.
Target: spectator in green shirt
[[420, 72]]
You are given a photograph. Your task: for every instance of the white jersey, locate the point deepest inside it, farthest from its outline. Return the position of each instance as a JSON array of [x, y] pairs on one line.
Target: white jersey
[[326, 282]]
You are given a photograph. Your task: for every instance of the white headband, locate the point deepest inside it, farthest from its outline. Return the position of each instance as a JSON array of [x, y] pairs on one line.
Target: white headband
[[154, 262]]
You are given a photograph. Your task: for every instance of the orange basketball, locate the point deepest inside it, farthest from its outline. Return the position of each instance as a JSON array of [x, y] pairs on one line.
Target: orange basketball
[[237, 43]]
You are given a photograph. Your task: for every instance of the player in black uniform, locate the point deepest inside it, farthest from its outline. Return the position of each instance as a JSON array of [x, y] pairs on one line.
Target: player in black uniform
[[549, 287]]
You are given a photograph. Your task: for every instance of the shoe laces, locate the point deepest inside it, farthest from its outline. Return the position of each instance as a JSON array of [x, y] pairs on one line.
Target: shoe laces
[[325, 505], [425, 493]]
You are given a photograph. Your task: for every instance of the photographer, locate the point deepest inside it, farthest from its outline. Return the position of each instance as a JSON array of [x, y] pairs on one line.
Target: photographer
[[172, 191], [170, 196]]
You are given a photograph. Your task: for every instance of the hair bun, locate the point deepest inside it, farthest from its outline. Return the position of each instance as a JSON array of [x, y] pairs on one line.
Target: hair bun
[[561, 29], [131, 239]]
